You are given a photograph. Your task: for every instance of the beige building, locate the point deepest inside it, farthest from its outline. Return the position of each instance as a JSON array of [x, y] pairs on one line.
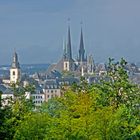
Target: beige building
[[51, 91]]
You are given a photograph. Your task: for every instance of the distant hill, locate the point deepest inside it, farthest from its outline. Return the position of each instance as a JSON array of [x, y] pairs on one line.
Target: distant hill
[[26, 68]]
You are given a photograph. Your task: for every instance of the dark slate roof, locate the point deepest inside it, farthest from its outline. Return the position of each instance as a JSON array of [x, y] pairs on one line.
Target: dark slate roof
[[51, 68], [51, 84], [54, 74], [55, 84], [2, 88], [68, 80], [8, 91], [15, 63], [58, 67]]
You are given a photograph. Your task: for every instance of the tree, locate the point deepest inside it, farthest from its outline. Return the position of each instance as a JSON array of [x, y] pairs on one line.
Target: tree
[[14, 113], [103, 111]]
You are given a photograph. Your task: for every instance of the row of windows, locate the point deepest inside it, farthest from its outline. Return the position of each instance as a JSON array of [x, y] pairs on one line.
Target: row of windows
[[52, 91], [37, 97], [66, 82], [51, 96], [52, 86], [37, 102]]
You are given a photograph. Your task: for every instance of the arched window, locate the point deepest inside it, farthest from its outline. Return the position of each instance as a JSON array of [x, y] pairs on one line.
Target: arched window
[[13, 72]]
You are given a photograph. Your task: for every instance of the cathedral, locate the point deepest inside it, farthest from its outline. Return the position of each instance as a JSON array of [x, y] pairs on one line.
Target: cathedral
[[81, 65]]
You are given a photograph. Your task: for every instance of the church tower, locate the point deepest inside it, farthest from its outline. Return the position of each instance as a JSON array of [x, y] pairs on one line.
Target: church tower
[[15, 72], [69, 53], [90, 65], [82, 57], [68, 64]]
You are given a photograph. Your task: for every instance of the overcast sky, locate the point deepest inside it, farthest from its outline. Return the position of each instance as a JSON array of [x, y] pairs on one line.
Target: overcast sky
[[36, 29]]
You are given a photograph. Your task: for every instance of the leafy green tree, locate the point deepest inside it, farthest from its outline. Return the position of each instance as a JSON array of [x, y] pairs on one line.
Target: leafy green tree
[[108, 110], [14, 113], [33, 127]]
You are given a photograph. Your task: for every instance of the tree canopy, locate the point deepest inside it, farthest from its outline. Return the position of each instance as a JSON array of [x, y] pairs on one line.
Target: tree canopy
[[109, 110]]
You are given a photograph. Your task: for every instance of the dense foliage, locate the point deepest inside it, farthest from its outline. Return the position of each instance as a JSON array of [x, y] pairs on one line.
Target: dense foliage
[[109, 110]]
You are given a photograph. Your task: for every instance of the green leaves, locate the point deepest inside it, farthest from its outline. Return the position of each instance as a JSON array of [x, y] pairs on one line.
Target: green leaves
[[103, 111]]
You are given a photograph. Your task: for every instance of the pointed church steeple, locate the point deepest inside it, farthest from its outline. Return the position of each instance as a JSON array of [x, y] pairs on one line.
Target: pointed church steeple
[[81, 48], [15, 63], [64, 49], [68, 62], [69, 53], [91, 65]]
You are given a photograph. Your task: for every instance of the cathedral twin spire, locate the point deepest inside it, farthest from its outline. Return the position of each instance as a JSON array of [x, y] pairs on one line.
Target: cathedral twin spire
[[81, 49], [68, 51], [67, 47]]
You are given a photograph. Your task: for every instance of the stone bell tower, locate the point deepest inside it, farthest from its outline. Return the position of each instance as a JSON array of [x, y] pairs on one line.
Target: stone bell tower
[[15, 72]]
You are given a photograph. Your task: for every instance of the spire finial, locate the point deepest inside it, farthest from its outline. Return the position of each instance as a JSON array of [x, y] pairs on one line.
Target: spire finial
[[68, 21], [81, 23], [14, 50]]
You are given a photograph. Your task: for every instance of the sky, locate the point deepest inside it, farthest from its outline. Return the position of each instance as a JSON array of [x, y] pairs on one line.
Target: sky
[[36, 29]]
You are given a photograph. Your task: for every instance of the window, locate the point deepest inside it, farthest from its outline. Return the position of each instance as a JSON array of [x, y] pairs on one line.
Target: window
[[48, 96], [13, 72]]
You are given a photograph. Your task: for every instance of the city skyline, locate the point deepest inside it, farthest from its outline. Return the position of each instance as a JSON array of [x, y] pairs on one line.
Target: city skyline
[[36, 29]]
